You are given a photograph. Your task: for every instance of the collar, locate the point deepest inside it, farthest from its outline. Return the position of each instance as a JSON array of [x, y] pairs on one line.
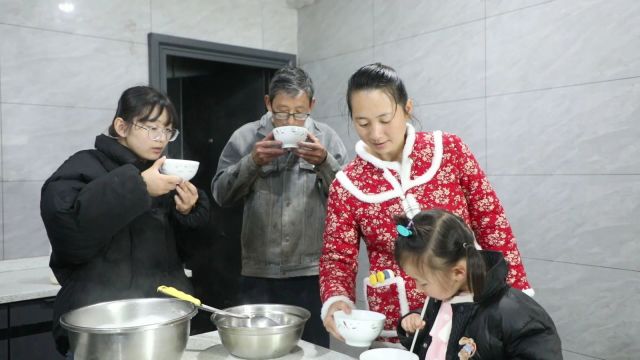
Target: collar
[[461, 298], [403, 168], [119, 153]]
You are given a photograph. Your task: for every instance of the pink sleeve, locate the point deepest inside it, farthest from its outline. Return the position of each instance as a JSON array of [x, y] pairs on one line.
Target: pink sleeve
[[487, 217], [339, 259]]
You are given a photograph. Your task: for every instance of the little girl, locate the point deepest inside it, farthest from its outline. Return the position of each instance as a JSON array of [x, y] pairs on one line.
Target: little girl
[[471, 312]]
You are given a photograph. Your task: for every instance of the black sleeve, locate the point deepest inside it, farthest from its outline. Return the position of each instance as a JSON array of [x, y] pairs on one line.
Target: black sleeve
[[405, 339], [199, 215], [529, 332], [83, 210]]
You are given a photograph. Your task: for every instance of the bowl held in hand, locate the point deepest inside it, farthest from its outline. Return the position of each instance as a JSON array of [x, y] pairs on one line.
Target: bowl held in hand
[[360, 327], [290, 135], [186, 169]]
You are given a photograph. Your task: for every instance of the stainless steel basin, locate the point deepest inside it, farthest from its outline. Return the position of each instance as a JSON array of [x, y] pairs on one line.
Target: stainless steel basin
[[245, 341], [141, 329]]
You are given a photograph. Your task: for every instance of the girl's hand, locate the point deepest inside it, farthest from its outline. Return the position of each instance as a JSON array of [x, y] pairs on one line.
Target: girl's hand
[[330, 323], [412, 322], [186, 197], [157, 183]]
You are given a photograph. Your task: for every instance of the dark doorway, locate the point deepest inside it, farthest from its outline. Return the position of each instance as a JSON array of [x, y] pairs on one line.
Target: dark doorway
[[214, 95]]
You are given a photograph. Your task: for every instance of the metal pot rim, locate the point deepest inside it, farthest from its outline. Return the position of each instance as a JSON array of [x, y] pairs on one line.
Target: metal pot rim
[[125, 329], [304, 315]]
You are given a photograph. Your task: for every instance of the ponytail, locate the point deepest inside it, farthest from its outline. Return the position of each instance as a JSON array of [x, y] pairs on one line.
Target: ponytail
[[476, 270]]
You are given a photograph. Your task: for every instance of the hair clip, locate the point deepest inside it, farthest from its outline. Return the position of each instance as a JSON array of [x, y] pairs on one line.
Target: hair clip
[[405, 230]]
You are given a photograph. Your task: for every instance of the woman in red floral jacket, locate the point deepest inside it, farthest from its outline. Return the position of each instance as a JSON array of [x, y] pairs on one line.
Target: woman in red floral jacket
[[399, 171]]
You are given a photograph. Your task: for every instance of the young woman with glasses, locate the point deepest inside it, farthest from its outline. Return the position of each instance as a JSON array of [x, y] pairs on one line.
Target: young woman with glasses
[[110, 214]]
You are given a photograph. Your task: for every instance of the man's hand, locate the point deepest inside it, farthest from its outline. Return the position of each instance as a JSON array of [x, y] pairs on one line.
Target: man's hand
[[312, 151], [267, 150]]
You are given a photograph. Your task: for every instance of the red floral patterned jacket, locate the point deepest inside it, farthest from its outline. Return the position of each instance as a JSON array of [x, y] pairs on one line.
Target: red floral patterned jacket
[[441, 172]]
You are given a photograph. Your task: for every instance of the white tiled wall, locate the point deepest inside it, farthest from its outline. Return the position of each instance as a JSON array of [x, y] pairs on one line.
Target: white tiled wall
[[546, 93], [61, 75]]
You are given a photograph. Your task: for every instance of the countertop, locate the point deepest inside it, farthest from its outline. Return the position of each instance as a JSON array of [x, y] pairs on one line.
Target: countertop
[[26, 279], [207, 346]]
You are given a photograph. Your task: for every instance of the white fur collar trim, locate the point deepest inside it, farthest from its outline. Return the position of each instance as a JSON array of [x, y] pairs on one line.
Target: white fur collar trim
[[403, 168]]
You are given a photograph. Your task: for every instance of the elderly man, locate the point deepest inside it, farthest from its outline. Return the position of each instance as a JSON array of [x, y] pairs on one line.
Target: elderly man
[[284, 193]]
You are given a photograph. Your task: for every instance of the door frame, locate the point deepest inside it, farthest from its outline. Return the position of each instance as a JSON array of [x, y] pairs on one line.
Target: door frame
[[161, 46]]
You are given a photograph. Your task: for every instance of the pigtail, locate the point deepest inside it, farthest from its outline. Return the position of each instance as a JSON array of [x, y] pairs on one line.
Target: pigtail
[[476, 269]]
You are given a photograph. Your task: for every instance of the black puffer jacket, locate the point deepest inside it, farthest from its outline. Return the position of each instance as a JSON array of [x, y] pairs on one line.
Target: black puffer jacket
[[111, 240], [504, 323]]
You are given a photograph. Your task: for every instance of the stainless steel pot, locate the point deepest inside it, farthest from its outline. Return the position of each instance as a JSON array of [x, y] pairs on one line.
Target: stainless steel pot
[[141, 329], [245, 341]]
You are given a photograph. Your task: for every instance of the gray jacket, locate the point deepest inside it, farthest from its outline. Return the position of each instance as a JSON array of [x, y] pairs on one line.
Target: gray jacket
[[284, 201]]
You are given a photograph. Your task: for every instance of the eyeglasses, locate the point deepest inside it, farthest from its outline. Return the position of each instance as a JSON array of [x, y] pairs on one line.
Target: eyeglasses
[[283, 116], [155, 133]]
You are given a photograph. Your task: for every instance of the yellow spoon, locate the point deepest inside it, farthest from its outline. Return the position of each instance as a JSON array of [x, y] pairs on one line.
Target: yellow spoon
[[168, 290]]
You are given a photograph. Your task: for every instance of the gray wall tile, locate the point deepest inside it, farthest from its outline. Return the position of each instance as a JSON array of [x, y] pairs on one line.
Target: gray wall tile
[[237, 22], [334, 27], [330, 79], [279, 27], [50, 68], [1, 222], [589, 129], [586, 304], [561, 43], [439, 66], [24, 233], [45, 136], [495, 7], [569, 355], [115, 19], [397, 20], [580, 219], [343, 126], [464, 118]]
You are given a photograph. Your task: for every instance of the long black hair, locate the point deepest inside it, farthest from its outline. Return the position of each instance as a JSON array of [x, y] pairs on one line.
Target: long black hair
[[143, 104], [438, 241], [378, 77]]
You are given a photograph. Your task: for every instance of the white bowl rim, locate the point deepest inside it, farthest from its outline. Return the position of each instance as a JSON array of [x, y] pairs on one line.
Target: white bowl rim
[[357, 315], [285, 127], [183, 161], [388, 352]]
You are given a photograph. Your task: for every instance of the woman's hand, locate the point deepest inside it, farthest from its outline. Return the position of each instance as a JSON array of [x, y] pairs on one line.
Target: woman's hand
[[186, 197], [330, 323], [157, 183], [412, 322]]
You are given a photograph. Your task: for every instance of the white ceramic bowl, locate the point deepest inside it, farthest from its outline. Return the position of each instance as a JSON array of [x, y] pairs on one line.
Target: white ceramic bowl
[[360, 327], [388, 354], [186, 169], [290, 135]]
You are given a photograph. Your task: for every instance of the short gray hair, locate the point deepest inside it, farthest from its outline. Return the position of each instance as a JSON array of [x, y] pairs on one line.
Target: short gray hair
[[292, 81]]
